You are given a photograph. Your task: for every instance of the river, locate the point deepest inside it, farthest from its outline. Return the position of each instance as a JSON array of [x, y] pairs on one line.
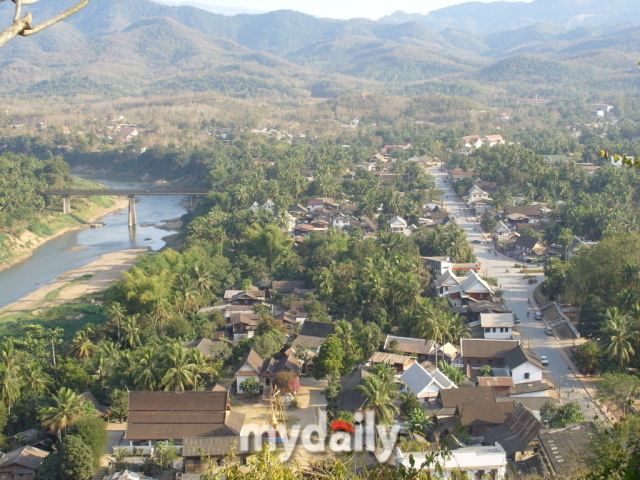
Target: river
[[59, 255]]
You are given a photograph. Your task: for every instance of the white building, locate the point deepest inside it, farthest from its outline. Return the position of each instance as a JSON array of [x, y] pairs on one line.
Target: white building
[[478, 462], [502, 230], [423, 384], [475, 193], [524, 366], [399, 225], [497, 326]]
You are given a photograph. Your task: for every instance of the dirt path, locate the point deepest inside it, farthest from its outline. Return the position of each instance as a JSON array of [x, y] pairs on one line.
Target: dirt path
[[106, 269]]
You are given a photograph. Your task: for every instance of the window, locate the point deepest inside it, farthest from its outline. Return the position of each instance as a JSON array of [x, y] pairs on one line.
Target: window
[[490, 362], [494, 329], [487, 330], [526, 376]]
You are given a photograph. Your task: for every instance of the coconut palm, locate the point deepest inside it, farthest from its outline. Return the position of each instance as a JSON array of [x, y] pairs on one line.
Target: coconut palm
[[418, 423], [181, 371], [10, 383], [379, 395], [132, 331], [117, 314], [68, 408], [618, 337], [148, 374], [81, 345], [35, 380]]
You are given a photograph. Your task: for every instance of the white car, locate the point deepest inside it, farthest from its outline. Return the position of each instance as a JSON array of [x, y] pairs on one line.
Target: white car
[[544, 360], [538, 316]]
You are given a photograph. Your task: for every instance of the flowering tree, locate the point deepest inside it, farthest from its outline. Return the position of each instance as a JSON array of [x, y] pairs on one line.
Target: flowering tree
[[22, 26], [287, 382]]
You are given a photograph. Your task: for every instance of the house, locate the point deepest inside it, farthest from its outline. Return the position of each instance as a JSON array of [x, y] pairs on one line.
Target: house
[[501, 230], [341, 221], [529, 245], [399, 225], [472, 288], [475, 194], [478, 419], [423, 384], [578, 244], [351, 399], [492, 140], [128, 475], [303, 230], [562, 448], [518, 431], [101, 410], [400, 362], [318, 204], [556, 159], [388, 148], [478, 462], [289, 286], [415, 346], [298, 210], [244, 297], [472, 141], [164, 416], [203, 344], [497, 325], [532, 213], [251, 366], [200, 453], [501, 385], [244, 325], [533, 101], [313, 335], [368, 226], [520, 363], [21, 463], [479, 352]]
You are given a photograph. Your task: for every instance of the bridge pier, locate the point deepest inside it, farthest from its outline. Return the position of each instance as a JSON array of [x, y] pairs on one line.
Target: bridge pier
[[66, 204], [132, 211], [194, 201]]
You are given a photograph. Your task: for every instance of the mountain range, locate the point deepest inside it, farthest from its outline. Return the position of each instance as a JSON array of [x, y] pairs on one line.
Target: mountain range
[[114, 48]]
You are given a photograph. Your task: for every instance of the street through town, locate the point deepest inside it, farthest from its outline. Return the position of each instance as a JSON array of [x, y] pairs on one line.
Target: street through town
[[517, 293]]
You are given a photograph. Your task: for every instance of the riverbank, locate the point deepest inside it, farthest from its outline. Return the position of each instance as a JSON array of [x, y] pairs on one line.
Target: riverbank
[[91, 278], [28, 242]]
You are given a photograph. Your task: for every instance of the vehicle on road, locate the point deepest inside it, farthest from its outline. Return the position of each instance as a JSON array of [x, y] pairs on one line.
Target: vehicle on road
[[538, 315], [517, 321], [548, 330], [477, 242], [544, 360], [533, 280]]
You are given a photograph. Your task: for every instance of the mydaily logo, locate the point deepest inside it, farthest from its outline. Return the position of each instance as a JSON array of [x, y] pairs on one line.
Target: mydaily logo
[[314, 438]]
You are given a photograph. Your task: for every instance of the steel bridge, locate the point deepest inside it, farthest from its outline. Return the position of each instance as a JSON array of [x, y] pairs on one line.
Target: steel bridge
[[66, 195]]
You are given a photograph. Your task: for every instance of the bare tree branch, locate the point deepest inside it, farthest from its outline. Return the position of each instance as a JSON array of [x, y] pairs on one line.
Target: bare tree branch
[[23, 26]]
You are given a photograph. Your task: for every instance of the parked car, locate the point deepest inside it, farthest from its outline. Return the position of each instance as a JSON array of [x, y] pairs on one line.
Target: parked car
[[477, 242], [517, 321], [533, 280], [548, 330], [544, 360], [538, 316]]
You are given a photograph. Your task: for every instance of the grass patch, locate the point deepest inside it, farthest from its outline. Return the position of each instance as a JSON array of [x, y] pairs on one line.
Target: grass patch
[[53, 294], [532, 270], [540, 297], [63, 316], [83, 278]]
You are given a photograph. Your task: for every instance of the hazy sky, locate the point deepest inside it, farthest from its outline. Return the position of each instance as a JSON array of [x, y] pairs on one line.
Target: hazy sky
[[338, 8]]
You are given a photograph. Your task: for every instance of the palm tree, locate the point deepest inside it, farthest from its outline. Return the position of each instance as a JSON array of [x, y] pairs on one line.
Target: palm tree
[[69, 407], [148, 374], [379, 398], [117, 314], [418, 423], [81, 345], [36, 381], [10, 383], [132, 331], [181, 371], [618, 337]]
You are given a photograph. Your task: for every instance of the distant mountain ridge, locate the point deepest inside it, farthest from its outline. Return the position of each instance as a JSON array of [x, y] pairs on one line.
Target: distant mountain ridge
[[492, 17], [211, 8], [128, 47]]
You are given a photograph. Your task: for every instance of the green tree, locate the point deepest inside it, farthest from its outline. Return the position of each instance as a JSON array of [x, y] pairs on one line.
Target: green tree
[[251, 386], [77, 462], [418, 423], [619, 388], [558, 417], [68, 408], [117, 314], [380, 394], [618, 337], [329, 362], [587, 356], [485, 371], [119, 404], [165, 453], [92, 431], [181, 372]]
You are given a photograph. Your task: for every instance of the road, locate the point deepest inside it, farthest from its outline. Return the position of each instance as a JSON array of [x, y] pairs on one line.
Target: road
[[517, 291]]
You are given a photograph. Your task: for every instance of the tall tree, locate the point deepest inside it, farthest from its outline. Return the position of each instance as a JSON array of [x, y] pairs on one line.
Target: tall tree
[[68, 408]]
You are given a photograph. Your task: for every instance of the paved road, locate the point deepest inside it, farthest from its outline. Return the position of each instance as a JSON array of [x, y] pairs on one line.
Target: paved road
[[517, 292]]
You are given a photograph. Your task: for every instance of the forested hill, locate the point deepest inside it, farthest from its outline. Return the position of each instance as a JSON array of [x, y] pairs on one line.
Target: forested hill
[[492, 17], [115, 48]]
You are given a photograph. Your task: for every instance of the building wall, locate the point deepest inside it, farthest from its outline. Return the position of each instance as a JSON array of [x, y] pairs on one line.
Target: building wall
[[518, 373], [242, 378], [497, 334]]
